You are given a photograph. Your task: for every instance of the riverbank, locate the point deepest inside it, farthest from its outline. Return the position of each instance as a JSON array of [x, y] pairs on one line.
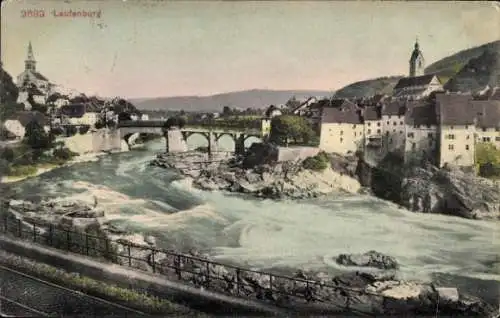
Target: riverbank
[[46, 167]]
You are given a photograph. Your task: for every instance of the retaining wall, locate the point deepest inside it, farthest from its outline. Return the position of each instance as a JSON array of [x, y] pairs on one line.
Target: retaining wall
[[296, 153]]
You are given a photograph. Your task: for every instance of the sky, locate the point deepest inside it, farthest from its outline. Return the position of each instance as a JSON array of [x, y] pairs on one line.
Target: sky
[[138, 49]]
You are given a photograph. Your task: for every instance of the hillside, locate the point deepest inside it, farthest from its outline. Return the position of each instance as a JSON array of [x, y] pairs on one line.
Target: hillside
[[381, 85], [451, 65], [256, 98], [477, 73]]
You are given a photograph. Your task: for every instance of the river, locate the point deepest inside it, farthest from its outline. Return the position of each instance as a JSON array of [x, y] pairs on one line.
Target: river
[[264, 234]]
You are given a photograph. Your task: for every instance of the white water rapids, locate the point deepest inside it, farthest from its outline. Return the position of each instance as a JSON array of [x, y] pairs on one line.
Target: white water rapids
[[267, 234]]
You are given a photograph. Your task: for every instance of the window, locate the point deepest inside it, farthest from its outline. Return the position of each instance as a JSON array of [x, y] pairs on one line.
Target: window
[[429, 135], [451, 127], [394, 123], [341, 132], [466, 147], [486, 139], [450, 136], [428, 126], [353, 126], [394, 130], [388, 123], [497, 129], [466, 126], [369, 124], [413, 146], [369, 131], [411, 135], [354, 134], [497, 138], [378, 124], [341, 139], [450, 147], [401, 123], [484, 128], [378, 131], [468, 137]]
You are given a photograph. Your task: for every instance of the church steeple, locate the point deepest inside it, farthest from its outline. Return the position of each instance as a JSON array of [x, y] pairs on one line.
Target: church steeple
[[30, 63], [417, 62]]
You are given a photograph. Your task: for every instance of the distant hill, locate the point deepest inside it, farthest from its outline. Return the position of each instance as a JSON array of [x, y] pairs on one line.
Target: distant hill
[[256, 98], [447, 67], [367, 88], [477, 73]]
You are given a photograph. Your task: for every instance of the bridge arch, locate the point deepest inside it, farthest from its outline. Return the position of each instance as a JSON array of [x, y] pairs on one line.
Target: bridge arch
[[205, 138]]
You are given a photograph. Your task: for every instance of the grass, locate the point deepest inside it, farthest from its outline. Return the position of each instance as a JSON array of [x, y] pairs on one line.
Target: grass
[[134, 299]]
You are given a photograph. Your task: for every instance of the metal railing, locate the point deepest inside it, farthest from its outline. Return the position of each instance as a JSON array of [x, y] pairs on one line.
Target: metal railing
[[197, 271]]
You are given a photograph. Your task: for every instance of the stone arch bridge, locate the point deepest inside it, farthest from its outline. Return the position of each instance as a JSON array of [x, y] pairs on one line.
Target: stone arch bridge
[[176, 138]]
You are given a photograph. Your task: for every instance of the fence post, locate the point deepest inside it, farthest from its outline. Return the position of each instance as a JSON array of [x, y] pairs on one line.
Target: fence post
[[238, 274], [34, 233], [153, 260], [271, 282], [208, 274], [129, 257], [51, 232], [178, 267], [68, 240], [87, 243], [19, 228]]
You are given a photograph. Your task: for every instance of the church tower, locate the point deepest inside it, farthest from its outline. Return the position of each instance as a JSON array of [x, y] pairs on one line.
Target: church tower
[[30, 63], [417, 63]]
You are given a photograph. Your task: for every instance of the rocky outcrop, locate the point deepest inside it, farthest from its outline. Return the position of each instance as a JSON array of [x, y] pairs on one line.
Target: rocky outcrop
[[275, 180], [450, 191], [368, 259]]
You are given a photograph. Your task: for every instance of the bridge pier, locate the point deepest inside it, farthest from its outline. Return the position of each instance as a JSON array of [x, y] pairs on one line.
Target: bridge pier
[[239, 144]]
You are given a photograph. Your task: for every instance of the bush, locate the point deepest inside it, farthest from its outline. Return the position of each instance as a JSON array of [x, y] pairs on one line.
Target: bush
[[63, 153], [84, 129], [22, 171], [317, 163], [487, 160], [7, 154]]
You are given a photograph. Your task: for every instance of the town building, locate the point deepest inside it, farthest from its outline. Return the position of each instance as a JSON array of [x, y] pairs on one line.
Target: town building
[[421, 130], [80, 114], [342, 129], [487, 121], [393, 114]]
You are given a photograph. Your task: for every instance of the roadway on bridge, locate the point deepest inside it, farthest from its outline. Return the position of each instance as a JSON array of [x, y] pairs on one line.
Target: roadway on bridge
[[22, 295]]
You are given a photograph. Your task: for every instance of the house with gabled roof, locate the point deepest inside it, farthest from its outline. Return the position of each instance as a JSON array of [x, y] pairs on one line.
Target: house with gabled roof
[[417, 87]]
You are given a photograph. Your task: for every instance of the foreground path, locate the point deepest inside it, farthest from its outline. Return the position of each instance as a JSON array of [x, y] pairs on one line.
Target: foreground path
[[23, 295]]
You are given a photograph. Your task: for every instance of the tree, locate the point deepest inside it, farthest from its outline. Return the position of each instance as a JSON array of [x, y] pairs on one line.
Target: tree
[[292, 103], [123, 116], [177, 121], [36, 138], [270, 110], [226, 111], [487, 159], [286, 127]]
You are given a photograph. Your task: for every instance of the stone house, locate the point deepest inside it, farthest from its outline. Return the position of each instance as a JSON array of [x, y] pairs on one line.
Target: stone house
[[80, 114]]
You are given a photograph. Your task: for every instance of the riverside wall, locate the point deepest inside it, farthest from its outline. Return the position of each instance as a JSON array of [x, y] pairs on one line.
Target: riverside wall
[[102, 140]]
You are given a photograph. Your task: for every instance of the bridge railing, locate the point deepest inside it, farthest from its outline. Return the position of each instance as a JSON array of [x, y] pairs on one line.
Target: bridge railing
[[253, 129], [191, 269]]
